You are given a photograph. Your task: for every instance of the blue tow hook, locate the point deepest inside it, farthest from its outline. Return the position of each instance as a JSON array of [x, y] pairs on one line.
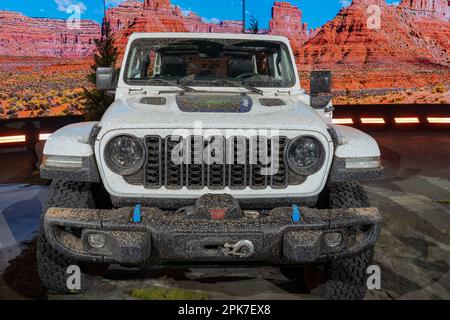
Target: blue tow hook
[[296, 217], [137, 214]]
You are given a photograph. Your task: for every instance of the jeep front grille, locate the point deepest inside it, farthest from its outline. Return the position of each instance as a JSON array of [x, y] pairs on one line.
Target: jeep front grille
[[236, 173]]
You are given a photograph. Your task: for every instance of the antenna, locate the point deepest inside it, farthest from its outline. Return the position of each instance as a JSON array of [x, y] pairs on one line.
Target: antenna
[[243, 16]]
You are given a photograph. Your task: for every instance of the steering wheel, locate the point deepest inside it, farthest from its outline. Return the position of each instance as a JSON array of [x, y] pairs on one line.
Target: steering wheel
[[246, 75]]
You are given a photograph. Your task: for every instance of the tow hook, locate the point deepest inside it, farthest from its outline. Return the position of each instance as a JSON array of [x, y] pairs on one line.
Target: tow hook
[[242, 249]]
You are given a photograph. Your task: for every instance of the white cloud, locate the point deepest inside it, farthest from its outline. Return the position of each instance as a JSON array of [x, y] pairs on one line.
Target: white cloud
[[63, 5], [345, 3], [212, 20], [185, 12]]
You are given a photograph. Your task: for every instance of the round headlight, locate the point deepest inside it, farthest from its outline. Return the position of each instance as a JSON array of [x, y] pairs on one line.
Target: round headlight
[[124, 155], [305, 155]]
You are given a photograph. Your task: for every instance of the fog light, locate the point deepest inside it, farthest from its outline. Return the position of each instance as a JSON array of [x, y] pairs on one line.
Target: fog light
[[96, 240], [333, 239]]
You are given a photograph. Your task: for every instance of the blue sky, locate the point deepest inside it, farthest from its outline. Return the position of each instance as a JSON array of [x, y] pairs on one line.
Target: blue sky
[[315, 12]]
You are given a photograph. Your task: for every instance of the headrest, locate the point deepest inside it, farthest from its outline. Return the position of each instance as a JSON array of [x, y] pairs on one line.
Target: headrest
[[237, 67], [173, 66]]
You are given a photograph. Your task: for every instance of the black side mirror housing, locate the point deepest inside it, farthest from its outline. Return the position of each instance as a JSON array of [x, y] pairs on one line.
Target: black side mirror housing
[[320, 88], [106, 79]]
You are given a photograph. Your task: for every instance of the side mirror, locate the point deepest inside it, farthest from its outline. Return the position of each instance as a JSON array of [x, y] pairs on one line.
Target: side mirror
[[106, 79], [320, 87]]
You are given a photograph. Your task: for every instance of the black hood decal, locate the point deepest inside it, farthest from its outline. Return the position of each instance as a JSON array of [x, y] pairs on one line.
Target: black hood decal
[[215, 103]]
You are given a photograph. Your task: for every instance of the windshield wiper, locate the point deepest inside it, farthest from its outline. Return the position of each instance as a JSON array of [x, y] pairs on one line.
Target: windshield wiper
[[239, 84], [175, 84]]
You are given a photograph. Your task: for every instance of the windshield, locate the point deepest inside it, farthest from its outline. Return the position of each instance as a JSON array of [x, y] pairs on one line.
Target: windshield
[[225, 63]]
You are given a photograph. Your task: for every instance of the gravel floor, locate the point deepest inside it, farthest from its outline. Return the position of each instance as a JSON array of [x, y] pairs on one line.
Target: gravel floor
[[413, 251]]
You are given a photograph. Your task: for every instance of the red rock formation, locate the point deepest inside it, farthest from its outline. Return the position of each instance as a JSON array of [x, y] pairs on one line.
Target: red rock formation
[[123, 15], [160, 16], [194, 23], [158, 5], [427, 8], [430, 18], [348, 40], [413, 36], [286, 18], [399, 54], [24, 36], [133, 12], [227, 26], [287, 21], [154, 16]]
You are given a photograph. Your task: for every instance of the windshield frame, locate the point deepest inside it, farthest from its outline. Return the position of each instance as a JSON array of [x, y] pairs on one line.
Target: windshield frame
[[205, 83]]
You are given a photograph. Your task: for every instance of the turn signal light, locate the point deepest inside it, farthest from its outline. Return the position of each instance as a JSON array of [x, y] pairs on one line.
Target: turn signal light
[[44, 136]]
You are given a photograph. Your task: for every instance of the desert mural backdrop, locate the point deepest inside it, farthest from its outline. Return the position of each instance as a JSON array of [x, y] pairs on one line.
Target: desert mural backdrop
[[379, 53]]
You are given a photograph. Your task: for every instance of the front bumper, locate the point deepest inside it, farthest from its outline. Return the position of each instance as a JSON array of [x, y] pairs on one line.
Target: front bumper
[[163, 238]]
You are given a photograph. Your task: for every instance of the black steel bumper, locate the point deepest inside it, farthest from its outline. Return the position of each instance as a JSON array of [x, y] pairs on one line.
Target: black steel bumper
[[162, 238]]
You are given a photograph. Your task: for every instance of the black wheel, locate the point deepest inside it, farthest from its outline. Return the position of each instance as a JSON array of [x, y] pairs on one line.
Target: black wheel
[[345, 278], [52, 265]]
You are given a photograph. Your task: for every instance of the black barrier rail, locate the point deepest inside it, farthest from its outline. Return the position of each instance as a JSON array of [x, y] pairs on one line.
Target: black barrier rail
[[26, 132], [417, 116]]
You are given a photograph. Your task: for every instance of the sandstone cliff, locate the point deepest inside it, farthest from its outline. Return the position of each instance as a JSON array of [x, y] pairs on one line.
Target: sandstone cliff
[[160, 16], [24, 36], [353, 38], [287, 21]]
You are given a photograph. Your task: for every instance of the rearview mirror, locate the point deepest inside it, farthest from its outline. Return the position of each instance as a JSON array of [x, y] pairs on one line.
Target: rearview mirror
[[106, 79], [320, 87]]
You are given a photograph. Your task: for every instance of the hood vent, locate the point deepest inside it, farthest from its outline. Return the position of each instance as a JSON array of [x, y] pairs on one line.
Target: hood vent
[[155, 101], [272, 102]]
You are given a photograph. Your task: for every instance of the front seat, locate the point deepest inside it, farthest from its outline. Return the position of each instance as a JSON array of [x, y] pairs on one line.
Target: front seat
[[239, 66], [173, 66]]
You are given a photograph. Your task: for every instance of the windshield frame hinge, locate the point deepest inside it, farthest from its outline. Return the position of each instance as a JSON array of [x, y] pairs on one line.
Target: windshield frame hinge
[[132, 91], [294, 92]]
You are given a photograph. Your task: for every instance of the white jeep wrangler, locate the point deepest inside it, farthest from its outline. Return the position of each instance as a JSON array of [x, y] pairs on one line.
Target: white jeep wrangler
[[212, 153]]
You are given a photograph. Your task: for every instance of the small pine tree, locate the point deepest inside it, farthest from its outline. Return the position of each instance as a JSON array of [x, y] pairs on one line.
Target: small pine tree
[[105, 56], [254, 25]]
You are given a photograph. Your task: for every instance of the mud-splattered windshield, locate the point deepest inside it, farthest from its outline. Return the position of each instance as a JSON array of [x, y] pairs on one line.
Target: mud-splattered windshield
[[206, 63]]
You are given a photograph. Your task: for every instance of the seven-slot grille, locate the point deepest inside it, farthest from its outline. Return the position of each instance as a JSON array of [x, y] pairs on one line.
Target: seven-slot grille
[[240, 168]]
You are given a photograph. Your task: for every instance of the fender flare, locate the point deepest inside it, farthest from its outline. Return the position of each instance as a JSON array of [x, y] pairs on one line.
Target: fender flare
[[69, 154]]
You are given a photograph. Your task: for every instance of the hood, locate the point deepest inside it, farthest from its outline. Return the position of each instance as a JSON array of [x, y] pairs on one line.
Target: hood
[[215, 111]]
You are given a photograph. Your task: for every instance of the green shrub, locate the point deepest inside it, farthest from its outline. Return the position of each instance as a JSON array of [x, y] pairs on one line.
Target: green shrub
[[439, 89]]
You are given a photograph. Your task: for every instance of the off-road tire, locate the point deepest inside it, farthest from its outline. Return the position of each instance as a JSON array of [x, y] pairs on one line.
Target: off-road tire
[[345, 278], [52, 265], [347, 195], [69, 194]]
